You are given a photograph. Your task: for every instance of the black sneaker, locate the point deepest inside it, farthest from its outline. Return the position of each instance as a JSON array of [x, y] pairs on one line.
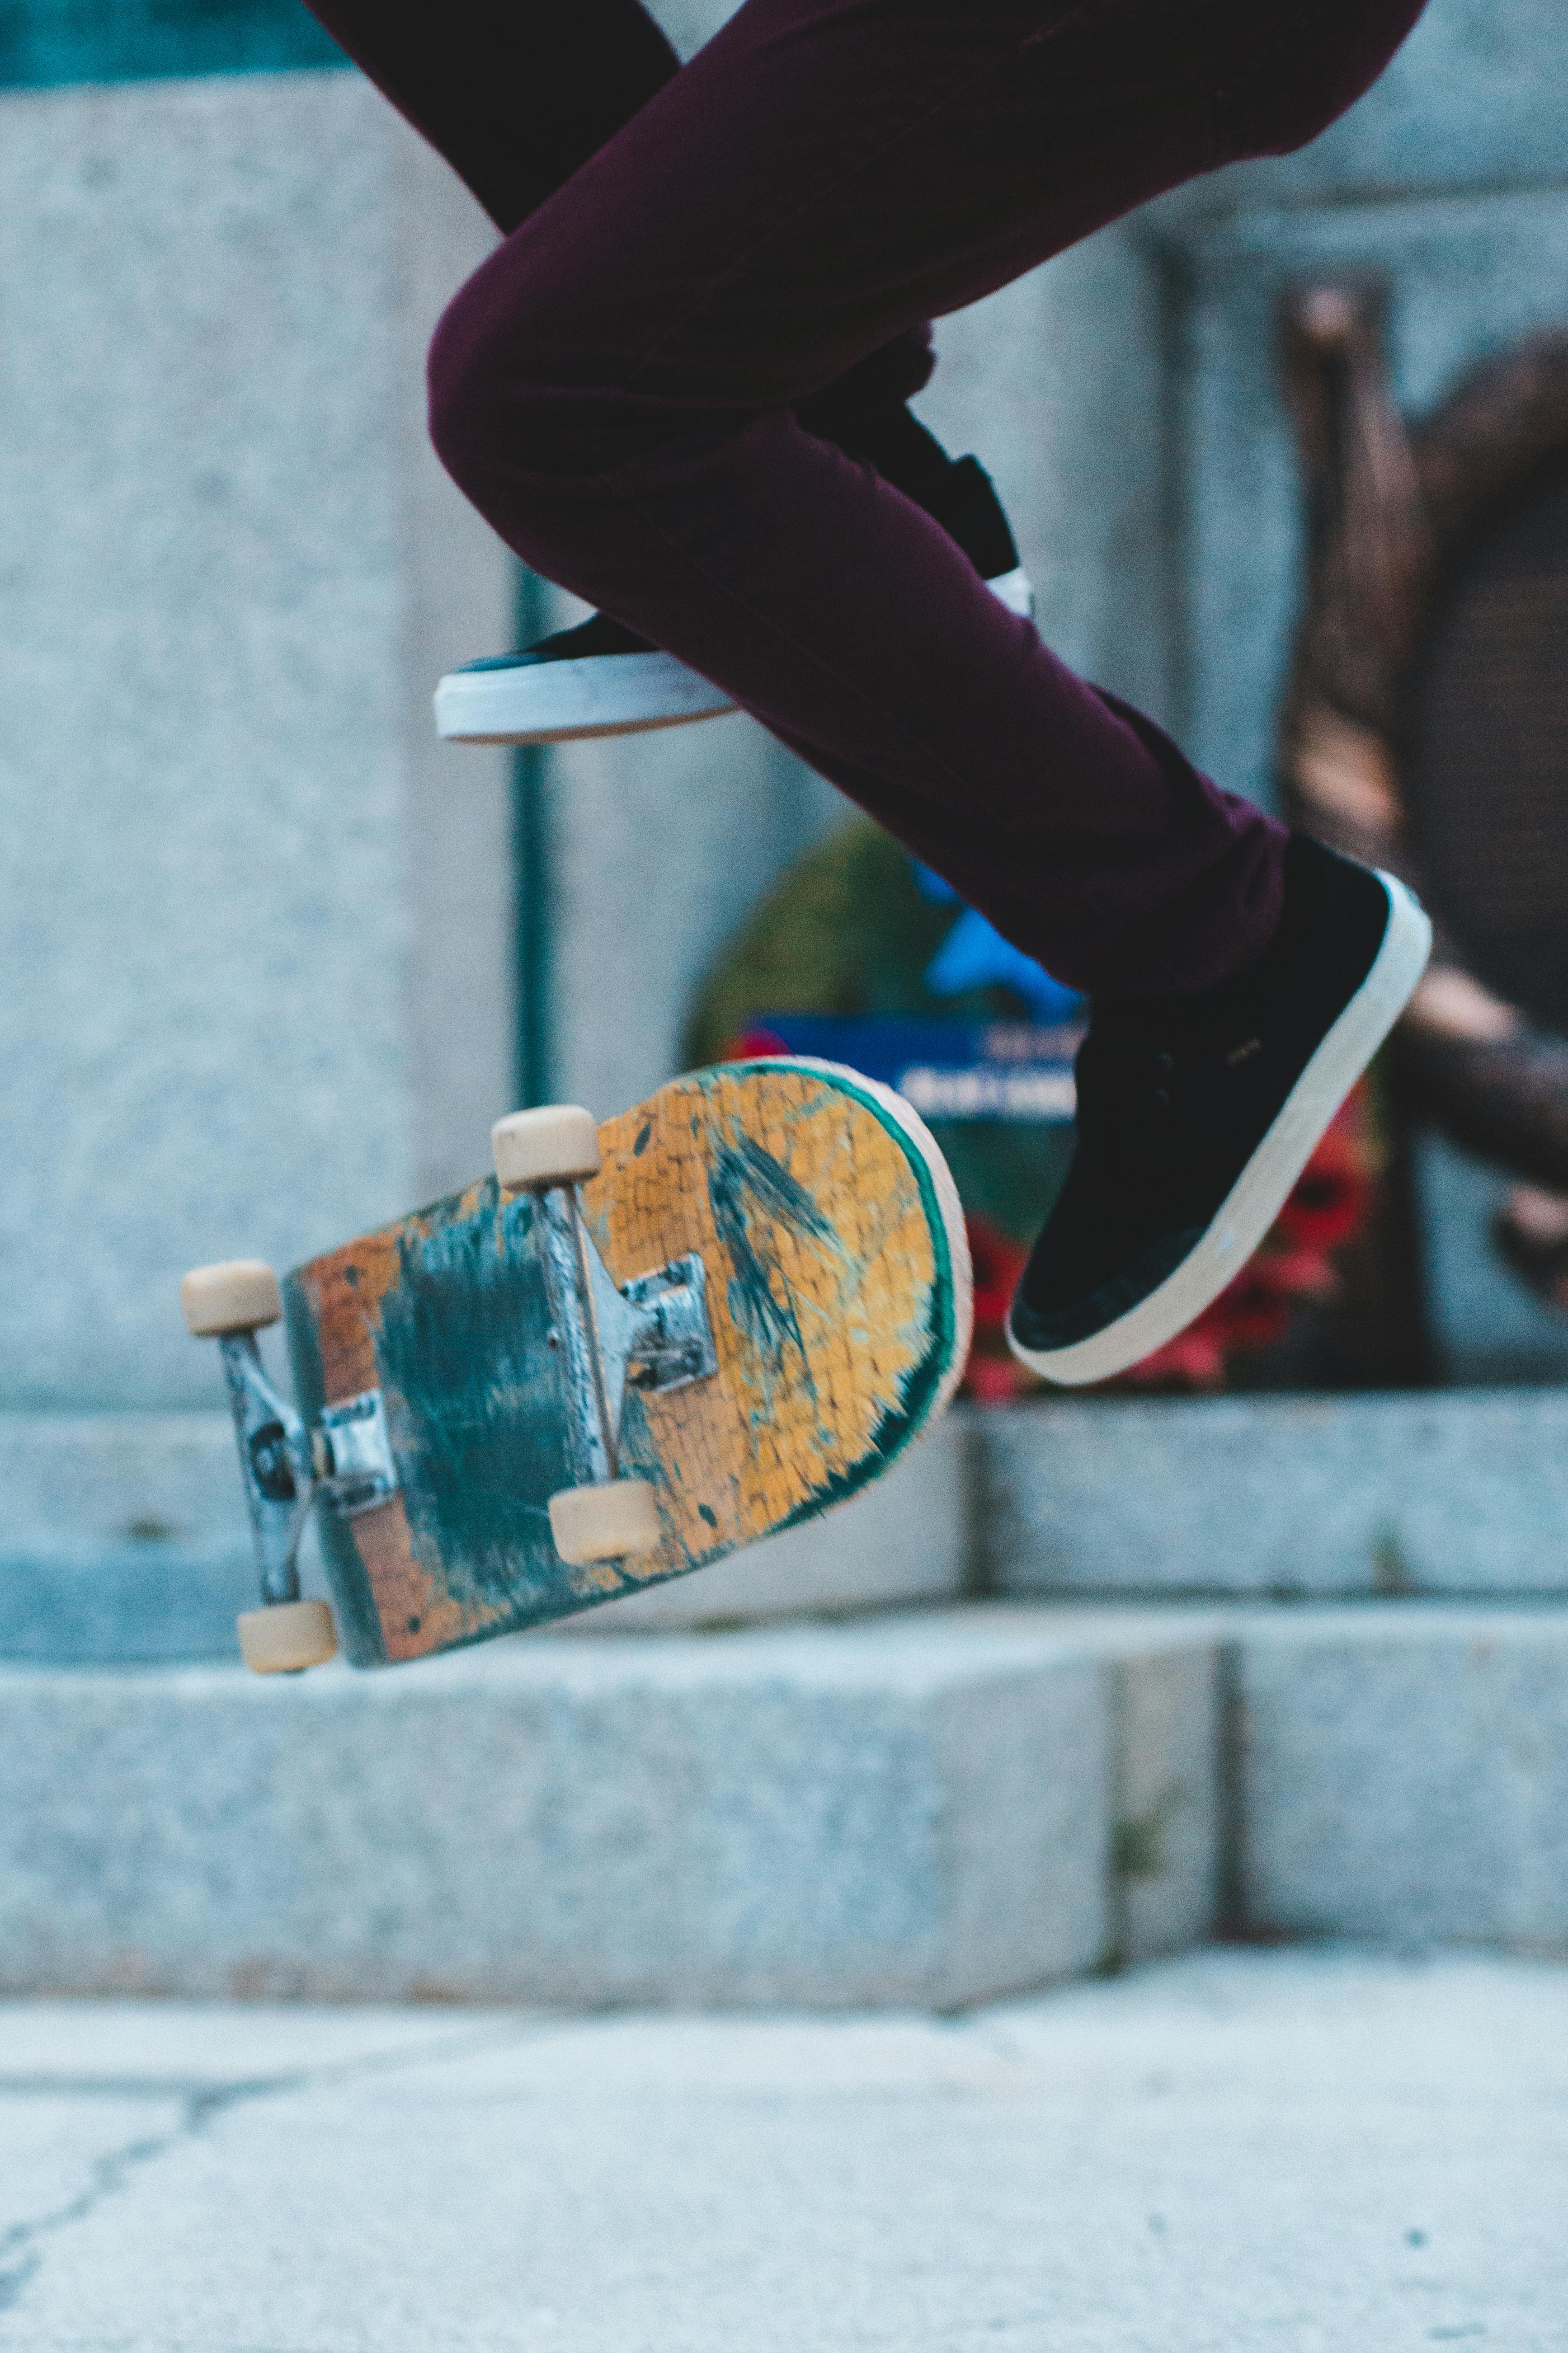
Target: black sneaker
[[602, 679], [1196, 1114]]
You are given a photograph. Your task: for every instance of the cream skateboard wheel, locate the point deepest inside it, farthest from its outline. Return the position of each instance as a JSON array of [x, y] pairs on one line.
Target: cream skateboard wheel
[[613, 1520], [290, 1635], [240, 1294], [556, 1144]]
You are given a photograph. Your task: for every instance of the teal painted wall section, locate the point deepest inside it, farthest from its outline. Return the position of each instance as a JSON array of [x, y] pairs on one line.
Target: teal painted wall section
[[46, 44], [533, 874]]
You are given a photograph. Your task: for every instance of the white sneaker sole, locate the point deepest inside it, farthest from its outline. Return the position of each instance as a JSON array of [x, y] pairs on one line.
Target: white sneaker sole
[[1258, 1194], [570, 702], [604, 694]]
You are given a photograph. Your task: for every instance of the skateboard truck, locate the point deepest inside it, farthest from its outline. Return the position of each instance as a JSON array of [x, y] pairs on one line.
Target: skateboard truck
[[347, 1461], [654, 1333]]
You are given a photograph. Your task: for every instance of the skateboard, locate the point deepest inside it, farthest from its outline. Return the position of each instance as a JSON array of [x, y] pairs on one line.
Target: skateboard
[[631, 1351]]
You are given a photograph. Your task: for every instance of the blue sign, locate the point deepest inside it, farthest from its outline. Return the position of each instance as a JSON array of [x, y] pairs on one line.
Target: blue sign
[[948, 1069]]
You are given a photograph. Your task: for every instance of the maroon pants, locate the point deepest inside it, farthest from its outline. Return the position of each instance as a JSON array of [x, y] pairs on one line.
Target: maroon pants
[[705, 264]]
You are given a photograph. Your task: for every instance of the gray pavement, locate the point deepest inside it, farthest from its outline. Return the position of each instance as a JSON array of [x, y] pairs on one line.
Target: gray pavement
[[1302, 2151]]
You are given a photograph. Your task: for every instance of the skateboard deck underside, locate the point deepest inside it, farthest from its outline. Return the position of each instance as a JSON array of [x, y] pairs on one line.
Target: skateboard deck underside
[[837, 1290]]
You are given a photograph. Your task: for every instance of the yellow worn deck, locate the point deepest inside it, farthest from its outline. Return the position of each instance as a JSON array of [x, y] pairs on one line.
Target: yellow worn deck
[[838, 1292]]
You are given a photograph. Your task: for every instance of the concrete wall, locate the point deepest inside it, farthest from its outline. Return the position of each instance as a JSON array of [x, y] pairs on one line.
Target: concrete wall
[[255, 981], [253, 948], [659, 847], [256, 929]]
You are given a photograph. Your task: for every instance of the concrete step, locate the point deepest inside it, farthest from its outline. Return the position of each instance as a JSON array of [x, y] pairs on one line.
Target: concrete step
[[935, 1807], [928, 1809], [1454, 1492], [1402, 1774], [122, 1537], [124, 1540]]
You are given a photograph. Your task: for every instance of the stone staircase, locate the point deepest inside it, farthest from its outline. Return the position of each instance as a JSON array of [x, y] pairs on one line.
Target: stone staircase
[[923, 1754]]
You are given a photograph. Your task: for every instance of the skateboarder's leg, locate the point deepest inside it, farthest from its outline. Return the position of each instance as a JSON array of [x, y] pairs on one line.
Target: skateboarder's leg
[[618, 390], [515, 96]]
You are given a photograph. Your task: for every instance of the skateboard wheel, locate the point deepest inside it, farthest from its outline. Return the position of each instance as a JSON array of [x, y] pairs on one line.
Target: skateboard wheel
[[556, 1144], [288, 1636], [239, 1295], [608, 1522]]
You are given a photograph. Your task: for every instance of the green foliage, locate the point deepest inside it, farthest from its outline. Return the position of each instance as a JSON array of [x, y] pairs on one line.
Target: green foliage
[[848, 931]]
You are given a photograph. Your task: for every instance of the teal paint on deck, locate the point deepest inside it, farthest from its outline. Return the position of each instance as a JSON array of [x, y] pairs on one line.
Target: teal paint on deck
[[477, 1425], [475, 1408], [745, 1182], [48, 44], [533, 880]]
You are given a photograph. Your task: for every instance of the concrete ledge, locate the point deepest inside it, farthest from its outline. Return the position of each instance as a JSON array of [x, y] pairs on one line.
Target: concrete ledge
[[1460, 1493], [904, 1540], [124, 1540], [918, 1811], [932, 1807], [1403, 1775], [122, 1537]]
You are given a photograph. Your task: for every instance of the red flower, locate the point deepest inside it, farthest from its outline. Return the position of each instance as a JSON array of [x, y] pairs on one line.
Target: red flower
[[997, 1264], [996, 1380], [1333, 1193], [994, 1374], [1329, 1205], [751, 1043]]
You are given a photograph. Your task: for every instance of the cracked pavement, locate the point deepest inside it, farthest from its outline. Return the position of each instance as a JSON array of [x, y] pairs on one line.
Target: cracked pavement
[[1308, 2150]]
